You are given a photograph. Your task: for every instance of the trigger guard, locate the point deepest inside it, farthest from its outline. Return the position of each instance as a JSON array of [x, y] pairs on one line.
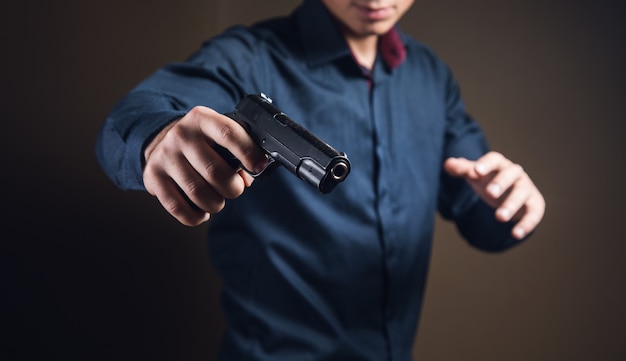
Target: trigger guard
[[269, 167]]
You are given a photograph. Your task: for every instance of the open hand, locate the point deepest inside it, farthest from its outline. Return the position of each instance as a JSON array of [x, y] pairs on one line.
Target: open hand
[[505, 186]]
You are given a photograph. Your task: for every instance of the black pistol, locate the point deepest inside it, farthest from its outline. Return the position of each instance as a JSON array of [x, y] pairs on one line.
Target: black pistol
[[289, 144]]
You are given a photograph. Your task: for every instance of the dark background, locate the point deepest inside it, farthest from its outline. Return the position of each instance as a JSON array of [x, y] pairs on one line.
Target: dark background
[[89, 272]]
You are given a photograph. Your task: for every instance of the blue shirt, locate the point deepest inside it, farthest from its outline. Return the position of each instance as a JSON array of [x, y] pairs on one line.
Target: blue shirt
[[308, 276]]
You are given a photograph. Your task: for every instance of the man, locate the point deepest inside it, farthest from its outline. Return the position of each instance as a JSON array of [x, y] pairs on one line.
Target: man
[[309, 276]]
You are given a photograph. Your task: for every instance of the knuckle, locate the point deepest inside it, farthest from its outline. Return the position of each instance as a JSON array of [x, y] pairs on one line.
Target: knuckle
[[149, 172], [152, 179], [193, 189], [175, 133], [499, 159], [518, 168], [225, 132], [495, 156], [149, 183], [197, 112], [173, 207], [209, 169]]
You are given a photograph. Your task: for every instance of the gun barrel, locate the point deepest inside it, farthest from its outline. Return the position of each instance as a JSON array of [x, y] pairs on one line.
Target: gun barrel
[[339, 170]]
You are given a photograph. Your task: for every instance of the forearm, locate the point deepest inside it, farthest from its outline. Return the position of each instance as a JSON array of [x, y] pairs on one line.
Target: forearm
[[216, 76], [129, 127]]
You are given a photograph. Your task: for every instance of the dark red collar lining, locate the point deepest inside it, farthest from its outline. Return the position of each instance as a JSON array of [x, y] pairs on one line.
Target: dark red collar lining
[[392, 48], [392, 51]]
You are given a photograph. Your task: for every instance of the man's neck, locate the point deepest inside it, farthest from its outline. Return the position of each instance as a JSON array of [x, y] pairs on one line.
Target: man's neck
[[364, 49]]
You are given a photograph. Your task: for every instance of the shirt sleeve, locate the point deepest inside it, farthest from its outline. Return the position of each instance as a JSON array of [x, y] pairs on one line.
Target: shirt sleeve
[[475, 220], [216, 76]]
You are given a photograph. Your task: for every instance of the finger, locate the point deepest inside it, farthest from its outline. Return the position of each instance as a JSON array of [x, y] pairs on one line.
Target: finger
[[504, 179], [490, 162], [513, 200], [247, 178], [177, 205], [534, 212], [215, 170], [230, 135], [196, 188], [460, 167]]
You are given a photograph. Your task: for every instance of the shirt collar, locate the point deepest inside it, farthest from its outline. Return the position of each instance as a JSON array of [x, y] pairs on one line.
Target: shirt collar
[[323, 41], [392, 48]]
